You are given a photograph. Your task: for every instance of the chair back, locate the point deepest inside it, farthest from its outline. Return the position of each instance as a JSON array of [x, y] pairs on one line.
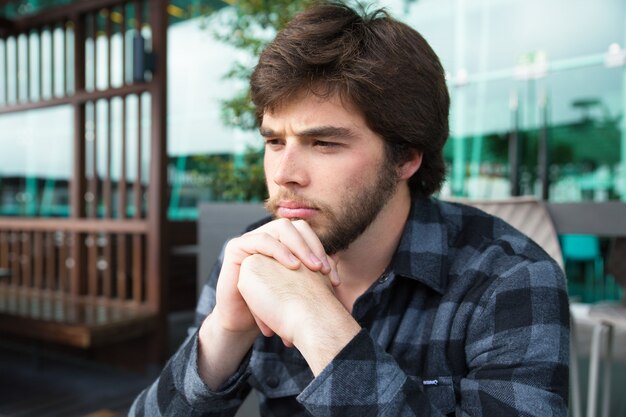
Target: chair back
[[528, 215]]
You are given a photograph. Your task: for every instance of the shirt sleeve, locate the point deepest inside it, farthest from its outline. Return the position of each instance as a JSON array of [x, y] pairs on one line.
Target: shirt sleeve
[[517, 355], [179, 390]]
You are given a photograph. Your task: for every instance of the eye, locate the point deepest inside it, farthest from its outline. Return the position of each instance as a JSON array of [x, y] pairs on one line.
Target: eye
[[325, 144], [273, 142]]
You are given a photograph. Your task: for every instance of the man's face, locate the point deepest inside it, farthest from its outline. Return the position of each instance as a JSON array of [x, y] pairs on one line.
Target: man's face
[[324, 165]]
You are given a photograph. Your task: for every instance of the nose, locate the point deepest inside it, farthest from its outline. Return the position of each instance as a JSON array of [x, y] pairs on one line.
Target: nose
[[289, 167]]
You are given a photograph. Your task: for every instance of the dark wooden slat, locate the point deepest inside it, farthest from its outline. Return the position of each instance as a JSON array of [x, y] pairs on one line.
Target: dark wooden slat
[[16, 279], [122, 289], [107, 31], [137, 269], [107, 183], [4, 250], [123, 33], [78, 98], [5, 44], [106, 272], [137, 186], [52, 61], [138, 15], [40, 72], [18, 86], [26, 259], [92, 263], [62, 58], [94, 34], [27, 73], [123, 185], [50, 256], [93, 180], [38, 259], [130, 226], [62, 264]]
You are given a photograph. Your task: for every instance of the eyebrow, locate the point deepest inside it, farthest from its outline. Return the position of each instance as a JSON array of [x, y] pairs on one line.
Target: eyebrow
[[314, 132]]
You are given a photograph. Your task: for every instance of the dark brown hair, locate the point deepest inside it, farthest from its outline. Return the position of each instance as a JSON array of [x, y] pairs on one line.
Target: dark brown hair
[[380, 65]]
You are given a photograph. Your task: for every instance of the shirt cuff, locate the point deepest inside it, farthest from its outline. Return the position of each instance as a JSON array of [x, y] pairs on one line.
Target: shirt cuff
[[361, 377], [198, 393]]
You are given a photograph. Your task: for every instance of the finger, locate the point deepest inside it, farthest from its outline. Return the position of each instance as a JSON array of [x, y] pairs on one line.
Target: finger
[[260, 243], [267, 332], [297, 241], [313, 241], [287, 343], [334, 272]]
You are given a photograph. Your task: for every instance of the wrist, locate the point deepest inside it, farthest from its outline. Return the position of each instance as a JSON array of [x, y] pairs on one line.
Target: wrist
[[221, 350], [328, 334], [215, 328]]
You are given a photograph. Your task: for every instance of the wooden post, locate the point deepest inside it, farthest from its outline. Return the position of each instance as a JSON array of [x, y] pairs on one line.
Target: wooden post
[[158, 245], [77, 183]]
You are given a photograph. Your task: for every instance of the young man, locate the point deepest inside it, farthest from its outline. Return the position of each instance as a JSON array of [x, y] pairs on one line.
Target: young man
[[364, 295]]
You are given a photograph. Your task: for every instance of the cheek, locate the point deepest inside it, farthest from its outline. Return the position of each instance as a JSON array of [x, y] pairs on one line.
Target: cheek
[[268, 168]]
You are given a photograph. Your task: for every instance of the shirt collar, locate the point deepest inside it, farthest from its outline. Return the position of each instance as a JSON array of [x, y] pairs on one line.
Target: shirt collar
[[422, 253]]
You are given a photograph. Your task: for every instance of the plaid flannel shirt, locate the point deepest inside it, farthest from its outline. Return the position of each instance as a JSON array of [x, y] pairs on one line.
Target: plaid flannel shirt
[[471, 318]]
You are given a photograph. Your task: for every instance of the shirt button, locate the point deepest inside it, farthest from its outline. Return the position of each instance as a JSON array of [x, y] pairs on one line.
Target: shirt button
[[383, 278], [272, 381]]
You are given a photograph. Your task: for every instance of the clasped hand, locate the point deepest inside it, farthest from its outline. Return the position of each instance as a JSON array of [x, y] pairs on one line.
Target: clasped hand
[[276, 279]]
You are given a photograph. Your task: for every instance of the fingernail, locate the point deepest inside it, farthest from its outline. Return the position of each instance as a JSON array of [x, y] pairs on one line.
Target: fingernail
[[315, 259], [335, 276], [293, 259], [326, 264]]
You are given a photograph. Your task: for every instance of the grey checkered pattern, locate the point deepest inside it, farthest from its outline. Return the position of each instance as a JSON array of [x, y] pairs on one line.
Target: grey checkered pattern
[[471, 319]]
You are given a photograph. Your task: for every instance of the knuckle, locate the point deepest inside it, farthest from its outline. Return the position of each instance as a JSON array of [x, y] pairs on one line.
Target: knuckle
[[283, 222], [266, 237], [231, 244], [301, 224]]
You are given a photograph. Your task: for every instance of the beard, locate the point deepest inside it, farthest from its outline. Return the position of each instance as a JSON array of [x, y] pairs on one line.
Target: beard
[[358, 208]]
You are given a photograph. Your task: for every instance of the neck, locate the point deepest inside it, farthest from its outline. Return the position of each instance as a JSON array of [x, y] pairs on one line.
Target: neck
[[364, 261]]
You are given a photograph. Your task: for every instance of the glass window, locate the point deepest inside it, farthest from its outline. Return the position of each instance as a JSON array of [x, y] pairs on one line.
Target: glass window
[[36, 162], [517, 67]]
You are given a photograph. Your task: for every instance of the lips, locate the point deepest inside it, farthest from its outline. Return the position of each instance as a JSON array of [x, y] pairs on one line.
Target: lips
[[294, 209]]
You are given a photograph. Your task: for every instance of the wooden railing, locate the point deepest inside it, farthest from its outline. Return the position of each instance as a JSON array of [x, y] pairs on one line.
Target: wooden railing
[[99, 258], [80, 283]]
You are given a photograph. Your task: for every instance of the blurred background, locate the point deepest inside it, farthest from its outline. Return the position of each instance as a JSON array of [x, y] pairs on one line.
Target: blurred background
[[120, 120]]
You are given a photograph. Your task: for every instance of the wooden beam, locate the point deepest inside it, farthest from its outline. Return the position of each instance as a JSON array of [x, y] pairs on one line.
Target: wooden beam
[[132, 226], [61, 13], [6, 27], [79, 98]]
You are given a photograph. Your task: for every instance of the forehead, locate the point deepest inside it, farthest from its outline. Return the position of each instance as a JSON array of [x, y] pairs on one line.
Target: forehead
[[308, 109]]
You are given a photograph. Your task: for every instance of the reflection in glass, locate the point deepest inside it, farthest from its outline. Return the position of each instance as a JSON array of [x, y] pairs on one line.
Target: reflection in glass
[[36, 162]]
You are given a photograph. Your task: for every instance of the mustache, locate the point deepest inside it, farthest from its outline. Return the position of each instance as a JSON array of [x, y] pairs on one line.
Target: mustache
[[272, 203]]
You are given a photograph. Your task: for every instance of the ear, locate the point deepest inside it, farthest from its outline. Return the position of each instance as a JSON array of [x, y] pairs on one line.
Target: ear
[[410, 167]]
